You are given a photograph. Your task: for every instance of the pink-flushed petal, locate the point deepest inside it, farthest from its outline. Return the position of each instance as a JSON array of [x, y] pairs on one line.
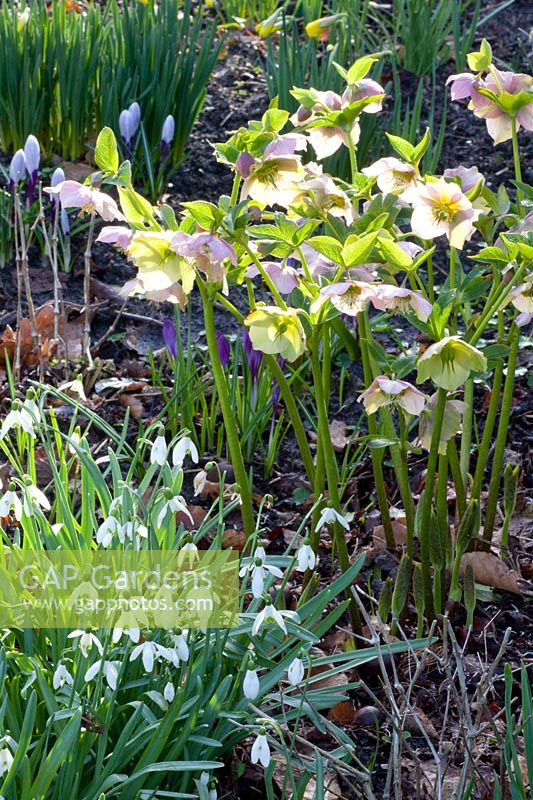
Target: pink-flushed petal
[[413, 401], [73, 194], [424, 224], [326, 140], [115, 234], [461, 85], [329, 100], [525, 116], [500, 128], [390, 386], [460, 230], [286, 145], [421, 307], [469, 177]]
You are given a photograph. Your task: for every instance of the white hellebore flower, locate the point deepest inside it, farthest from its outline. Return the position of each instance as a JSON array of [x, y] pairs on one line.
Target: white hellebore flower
[[6, 759], [109, 669], [149, 652], [62, 676], [260, 749], [250, 685], [296, 671], [184, 447], [169, 693], [330, 516], [270, 612], [259, 569], [87, 640], [306, 557], [158, 453]]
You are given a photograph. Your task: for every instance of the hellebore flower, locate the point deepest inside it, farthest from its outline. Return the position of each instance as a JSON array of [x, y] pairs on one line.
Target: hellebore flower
[[17, 169], [170, 336], [497, 112], [261, 749], [384, 392], [394, 177], [284, 277], [76, 195], [451, 425], [441, 208], [224, 349], [275, 330], [167, 135], [159, 265], [285, 145], [387, 297], [115, 234], [362, 89], [448, 363], [328, 197], [274, 180], [349, 297], [253, 357], [522, 297], [209, 253], [244, 164], [326, 139], [461, 85], [469, 177]]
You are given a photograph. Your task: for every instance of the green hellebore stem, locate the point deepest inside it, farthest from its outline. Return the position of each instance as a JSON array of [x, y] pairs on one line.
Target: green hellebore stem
[[232, 433], [466, 436], [486, 439], [425, 514], [401, 469], [235, 189], [268, 280], [500, 295], [501, 436], [353, 156], [516, 158], [455, 467]]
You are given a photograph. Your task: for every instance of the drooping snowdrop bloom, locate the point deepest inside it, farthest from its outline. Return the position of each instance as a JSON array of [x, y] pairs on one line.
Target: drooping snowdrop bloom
[[451, 424], [296, 671], [199, 482], [394, 177], [441, 208], [250, 684], [33, 496], [61, 677], [11, 502], [387, 297], [91, 201], [6, 760], [158, 452], [20, 416], [349, 297], [109, 670], [384, 391], [276, 331], [86, 641], [179, 649], [149, 652], [169, 693], [271, 614], [261, 749], [133, 633], [330, 516], [448, 363], [17, 170], [106, 531], [259, 570], [184, 447], [306, 558], [173, 504]]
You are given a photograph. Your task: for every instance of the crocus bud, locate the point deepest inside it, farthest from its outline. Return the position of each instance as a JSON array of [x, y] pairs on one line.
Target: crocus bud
[[32, 155], [253, 357], [244, 164], [135, 111], [58, 176], [170, 337], [169, 129], [127, 126], [224, 350], [17, 169], [65, 224]]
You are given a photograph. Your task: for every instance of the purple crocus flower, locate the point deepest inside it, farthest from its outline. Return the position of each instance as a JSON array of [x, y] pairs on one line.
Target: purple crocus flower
[[167, 135], [58, 176], [17, 169], [170, 337], [224, 350], [275, 388], [253, 357], [127, 126], [32, 157], [135, 111]]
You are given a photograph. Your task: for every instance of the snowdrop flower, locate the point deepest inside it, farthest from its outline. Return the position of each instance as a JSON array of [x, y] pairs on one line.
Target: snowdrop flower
[[61, 677], [149, 652], [199, 482], [86, 641], [441, 208], [173, 504], [20, 416], [169, 693], [259, 569], [180, 648], [184, 447], [331, 516], [271, 614], [250, 685], [384, 392], [394, 177], [109, 670], [296, 671], [6, 759], [448, 363], [260, 749], [10, 502], [133, 633], [158, 453], [306, 556], [32, 497], [91, 201], [17, 169], [106, 531]]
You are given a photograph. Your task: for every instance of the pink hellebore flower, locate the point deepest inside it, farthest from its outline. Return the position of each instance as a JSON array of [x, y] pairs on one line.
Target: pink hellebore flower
[[76, 195], [326, 139], [387, 297], [329, 197], [522, 297], [499, 123], [318, 264], [208, 251], [394, 177], [116, 234], [284, 277], [285, 145], [366, 87], [462, 85], [384, 392], [349, 297], [451, 424], [441, 208], [469, 177]]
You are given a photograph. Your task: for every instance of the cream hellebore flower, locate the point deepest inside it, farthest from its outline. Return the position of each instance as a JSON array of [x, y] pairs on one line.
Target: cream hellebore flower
[[384, 392], [306, 558], [275, 330], [6, 759], [159, 265], [448, 363], [451, 424], [261, 749], [120, 235], [330, 516], [394, 177], [327, 196], [284, 277], [109, 670], [522, 296], [387, 297], [349, 297], [275, 178], [91, 201], [441, 208]]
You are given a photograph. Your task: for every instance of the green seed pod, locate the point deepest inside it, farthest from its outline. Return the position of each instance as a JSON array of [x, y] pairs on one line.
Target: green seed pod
[[385, 599], [469, 594], [435, 545], [510, 483], [401, 587], [418, 591], [468, 527]]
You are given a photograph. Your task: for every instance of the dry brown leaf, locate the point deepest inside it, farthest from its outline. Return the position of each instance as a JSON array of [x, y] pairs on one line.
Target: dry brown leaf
[[342, 713], [77, 170], [418, 719], [234, 539], [133, 403], [492, 571], [339, 436], [399, 531]]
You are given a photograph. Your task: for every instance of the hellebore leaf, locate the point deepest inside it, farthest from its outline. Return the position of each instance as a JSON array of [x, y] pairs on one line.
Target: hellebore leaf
[[106, 152], [404, 148], [422, 146], [137, 210], [360, 68], [207, 215], [356, 251], [491, 254], [327, 246], [394, 254]]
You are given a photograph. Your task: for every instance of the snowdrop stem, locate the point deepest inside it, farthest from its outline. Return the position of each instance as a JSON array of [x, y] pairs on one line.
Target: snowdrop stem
[[232, 434], [501, 435]]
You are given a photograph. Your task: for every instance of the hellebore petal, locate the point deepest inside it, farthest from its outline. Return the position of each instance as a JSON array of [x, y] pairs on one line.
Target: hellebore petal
[[383, 392], [274, 330], [449, 362]]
